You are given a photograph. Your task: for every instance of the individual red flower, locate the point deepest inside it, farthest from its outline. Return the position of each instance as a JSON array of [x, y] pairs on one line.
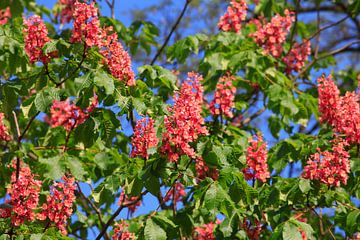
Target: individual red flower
[[69, 115], [202, 170], [35, 39], [58, 207], [236, 13], [331, 168], [67, 10], [224, 97], [24, 196], [271, 36], [5, 15], [256, 159], [4, 134], [205, 232], [175, 194], [253, 231], [295, 59], [185, 124], [124, 200], [120, 232], [117, 58], [86, 25], [144, 138]]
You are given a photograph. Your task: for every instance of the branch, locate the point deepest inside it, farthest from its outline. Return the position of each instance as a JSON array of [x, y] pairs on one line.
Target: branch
[[171, 32], [112, 7], [334, 52], [116, 213], [252, 117], [77, 68], [96, 209]]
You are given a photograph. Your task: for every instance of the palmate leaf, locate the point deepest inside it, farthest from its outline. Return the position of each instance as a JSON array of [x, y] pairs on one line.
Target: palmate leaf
[[153, 231]]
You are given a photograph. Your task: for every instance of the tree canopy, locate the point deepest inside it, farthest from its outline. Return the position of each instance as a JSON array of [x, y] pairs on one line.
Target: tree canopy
[[226, 119]]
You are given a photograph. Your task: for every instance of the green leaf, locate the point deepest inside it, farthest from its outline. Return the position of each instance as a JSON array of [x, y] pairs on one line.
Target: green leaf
[[153, 231], [102, 79], [351, 219], [75, 167], [55, 167], [83, 82], [291, 232], [164, 221], [304, 185], [37, 236], [153, 185]]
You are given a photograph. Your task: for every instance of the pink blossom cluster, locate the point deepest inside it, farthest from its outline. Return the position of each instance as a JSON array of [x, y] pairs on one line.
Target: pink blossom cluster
[[120, 232], [224, 97], [295, 59], [59, 203], [86, 25], [5, 15], [124, 200], [256, 159], [331, 168], [202, 170], [4, 134], [272, 35], [87, 29], [69, 115], [117, 58], [341, 112], [329, 98], [205, 232], [67, 10], [35, 39], [236, 13], [185, 124], [253, 231], [24, 196], [176, 193], [144, 138]]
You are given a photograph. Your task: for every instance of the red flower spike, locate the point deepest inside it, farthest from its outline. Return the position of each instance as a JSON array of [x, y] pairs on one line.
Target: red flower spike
[[117, 59], [202, 170], [86, 25], [144, 138], [124, 199], [5, 15], [4, 134], [295, 59], [253, 231], [59, 203], [120, 232], [24, 196], [235, 14], [67, 10], [224, 97], [270, 36], [69, 115], [256, 159], [178, 195], [205, 232], [35, 39], [330, 168], [185, 124]]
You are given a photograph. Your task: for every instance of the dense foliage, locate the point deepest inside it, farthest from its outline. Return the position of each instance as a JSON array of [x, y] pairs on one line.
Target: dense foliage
[[260, 139]]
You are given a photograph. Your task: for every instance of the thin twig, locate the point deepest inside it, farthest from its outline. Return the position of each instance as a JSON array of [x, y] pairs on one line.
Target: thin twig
[[171, 32], [94, 207], [77, 68], [116, 213]]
